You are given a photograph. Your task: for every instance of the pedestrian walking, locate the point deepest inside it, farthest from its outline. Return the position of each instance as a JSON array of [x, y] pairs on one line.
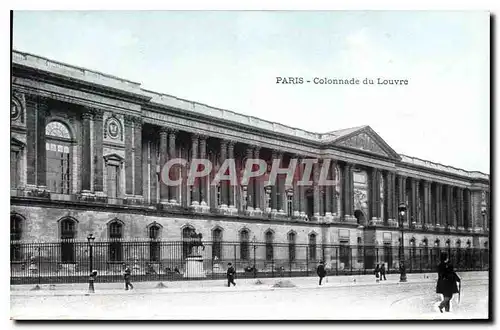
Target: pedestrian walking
[[377, 272], [446, 283], [321, 271], [126, 277], [231, 272], [382, 272], [92, 278]]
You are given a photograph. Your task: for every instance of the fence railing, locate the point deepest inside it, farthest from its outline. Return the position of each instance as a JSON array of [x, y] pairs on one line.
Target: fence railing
[[71, 261]]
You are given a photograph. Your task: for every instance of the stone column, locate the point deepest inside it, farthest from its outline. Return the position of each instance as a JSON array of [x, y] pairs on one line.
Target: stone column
[[203, 180], [251, 184], [153, 177], [418, 206], [439, 207], [296, 191], [302, 190], [86, 145], [196, 185], [98, 154], [449, 202], [258, 185], [31, 138], [316, 192], [374, 192], [163, 161], [341, 180], [351, 192], [230, 152], [346, 192], [129, 166], [413, 214], [41, 153], [426, 215], [274, 188], [488, 211], [387, 198], [223, 184], [281, 188], [328, 194], [460, 196], [467, 207], [173, 190], [335, 211]]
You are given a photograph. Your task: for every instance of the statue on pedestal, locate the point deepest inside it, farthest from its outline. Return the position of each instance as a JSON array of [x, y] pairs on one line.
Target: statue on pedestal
[[194, 243]]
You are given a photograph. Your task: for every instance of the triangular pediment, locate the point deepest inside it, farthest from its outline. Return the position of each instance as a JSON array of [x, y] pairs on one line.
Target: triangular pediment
[[367, 140]]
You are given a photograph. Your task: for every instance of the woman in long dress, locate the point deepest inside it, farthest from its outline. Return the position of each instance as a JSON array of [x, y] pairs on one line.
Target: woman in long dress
[[446, 283]]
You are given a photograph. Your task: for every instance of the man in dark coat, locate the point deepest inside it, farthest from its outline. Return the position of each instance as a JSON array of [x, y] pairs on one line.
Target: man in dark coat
[[231, 272], [446, 283], [377, 272], [321, 271], [382, 272], [126, 277]]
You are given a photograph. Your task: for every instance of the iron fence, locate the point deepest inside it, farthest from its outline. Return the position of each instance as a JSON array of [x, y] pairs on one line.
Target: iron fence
[[70, 261]]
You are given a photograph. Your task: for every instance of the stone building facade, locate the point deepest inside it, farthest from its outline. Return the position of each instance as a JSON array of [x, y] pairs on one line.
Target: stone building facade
[[87, 150]]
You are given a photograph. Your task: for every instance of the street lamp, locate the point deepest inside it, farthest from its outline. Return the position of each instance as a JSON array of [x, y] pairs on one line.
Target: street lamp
[[90, 239], [402, 269]]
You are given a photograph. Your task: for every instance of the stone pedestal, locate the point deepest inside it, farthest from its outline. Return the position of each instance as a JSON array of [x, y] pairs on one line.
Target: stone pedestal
[[194, 267]]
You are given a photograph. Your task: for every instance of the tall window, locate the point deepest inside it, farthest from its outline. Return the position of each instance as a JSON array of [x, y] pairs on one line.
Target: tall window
[[217, 243], [291, 246], [115, 245], [15, 237], [269, 246], [268, 197], [312, 246], [289, 205], [154, 244], [58, 142], [68, 234], [244, 244]]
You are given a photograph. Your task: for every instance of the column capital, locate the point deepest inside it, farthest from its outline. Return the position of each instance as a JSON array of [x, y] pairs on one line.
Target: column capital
[[195, 136], [230, 144], [88, 115], [203, 137]]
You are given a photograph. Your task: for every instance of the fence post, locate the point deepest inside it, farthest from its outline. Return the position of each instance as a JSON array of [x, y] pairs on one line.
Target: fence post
[[307, 260], [336, 260], [234, 250], [421, 260], [350, 252], [39, 262]]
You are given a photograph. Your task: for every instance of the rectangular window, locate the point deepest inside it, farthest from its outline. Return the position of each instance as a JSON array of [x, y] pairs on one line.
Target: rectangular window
[[58, 168], [113, 179]]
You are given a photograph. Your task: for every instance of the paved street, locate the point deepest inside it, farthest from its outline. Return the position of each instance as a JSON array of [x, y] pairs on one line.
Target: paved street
[[389, 300]]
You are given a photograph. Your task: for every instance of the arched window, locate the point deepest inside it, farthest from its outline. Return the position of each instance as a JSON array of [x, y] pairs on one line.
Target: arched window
[[291, 246], [16, 231], [58, 155], [217, 243], [269, 245], [186, 238], [68, 234], [115, 245], [312, 246], [244, 244], [154, 245]]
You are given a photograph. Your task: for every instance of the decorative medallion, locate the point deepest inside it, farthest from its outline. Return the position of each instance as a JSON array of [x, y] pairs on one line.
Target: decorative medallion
[[15, 110], [113, 129]]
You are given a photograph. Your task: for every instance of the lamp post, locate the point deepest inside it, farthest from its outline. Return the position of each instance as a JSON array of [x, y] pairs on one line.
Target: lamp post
[[402, 268], [90, 239]]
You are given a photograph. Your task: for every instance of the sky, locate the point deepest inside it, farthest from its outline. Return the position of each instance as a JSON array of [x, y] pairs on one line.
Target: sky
[[231, 60]]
